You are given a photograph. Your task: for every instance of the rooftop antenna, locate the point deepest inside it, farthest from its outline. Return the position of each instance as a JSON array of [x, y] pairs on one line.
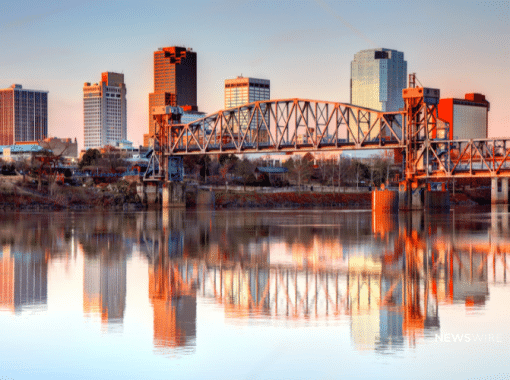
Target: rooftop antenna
[[413, 80]]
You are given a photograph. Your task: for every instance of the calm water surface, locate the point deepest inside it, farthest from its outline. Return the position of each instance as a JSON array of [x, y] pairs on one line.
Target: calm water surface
[[316, 294]]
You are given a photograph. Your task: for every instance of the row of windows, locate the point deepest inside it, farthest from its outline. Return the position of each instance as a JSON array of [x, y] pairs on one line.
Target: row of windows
[[252, 85]]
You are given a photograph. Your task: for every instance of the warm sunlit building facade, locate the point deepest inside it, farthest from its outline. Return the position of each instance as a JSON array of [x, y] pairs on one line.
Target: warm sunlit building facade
[[104, 111], [175, 82], [240, 90], [23, 115]]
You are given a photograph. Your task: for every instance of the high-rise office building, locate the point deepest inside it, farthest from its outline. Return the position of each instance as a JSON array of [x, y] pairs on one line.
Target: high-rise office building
[[104, 111], [240, 90], [175, 82], [378, 77], [23, 115]]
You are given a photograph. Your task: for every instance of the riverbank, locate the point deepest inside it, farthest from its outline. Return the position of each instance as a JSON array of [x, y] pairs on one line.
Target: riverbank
[[290, 200], [307, 199], [16, 194]]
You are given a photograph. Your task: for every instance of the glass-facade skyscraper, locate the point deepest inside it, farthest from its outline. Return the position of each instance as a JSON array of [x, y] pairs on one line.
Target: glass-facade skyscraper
[[378, 77], [104, 111], [23, 115]]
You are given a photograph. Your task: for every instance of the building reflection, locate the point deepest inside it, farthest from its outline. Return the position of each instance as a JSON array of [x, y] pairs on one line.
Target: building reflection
[[172, 290], [104, 288], [23, 279], [172, 294], [106, 241]]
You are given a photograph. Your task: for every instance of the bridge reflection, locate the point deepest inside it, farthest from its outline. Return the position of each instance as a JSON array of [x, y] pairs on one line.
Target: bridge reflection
[[389, 284], [386, 275]]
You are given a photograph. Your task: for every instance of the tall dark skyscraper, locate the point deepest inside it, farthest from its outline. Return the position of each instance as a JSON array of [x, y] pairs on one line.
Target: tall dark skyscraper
[[175, 82], [23, 115]]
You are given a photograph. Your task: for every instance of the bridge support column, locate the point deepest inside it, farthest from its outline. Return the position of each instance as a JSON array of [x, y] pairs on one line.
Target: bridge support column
[[173, 194], [499, 190], [421, 197], [437, 200], [148, 193], [410, 197]]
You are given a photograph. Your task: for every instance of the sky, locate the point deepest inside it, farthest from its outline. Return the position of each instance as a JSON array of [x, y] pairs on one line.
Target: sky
[[304, 47]]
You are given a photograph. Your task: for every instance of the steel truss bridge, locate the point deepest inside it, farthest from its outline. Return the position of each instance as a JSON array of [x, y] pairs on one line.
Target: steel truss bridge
[[303, 125]]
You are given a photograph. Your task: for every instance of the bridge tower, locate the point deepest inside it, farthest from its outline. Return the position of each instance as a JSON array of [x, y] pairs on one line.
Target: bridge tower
[[421, 132], [165, 173]]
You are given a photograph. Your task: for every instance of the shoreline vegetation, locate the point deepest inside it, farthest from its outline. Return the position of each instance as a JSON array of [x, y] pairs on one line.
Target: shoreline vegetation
[[19, 194]]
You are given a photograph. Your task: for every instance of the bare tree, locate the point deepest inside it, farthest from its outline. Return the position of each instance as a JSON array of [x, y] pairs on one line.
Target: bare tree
[[45, 163], [244, 169], [300, 168]]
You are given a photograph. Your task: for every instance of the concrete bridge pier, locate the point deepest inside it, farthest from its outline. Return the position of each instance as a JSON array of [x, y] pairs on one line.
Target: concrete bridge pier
[[148, 193], [410, 197], [173, 194], [499, 190], [423, 197]]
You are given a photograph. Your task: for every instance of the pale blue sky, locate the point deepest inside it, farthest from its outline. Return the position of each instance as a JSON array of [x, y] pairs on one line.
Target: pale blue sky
[[303, 47]]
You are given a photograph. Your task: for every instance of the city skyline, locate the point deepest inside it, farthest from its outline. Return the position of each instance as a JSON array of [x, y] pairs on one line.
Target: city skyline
[[464, 50]]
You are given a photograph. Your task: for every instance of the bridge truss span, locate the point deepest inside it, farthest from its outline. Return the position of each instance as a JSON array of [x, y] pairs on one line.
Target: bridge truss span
[[304, 125], [463, 158], [287, 125]]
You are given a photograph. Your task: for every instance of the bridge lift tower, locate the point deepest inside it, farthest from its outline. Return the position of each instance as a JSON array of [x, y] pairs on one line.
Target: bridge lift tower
[[421, 135], [165, 174]]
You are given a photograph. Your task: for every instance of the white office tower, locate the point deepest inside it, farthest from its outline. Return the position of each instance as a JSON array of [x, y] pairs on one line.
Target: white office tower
[[104, 111]]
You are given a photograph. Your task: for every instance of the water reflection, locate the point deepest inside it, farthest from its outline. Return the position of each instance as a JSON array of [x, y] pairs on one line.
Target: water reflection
[[387, 275], [23, 279]]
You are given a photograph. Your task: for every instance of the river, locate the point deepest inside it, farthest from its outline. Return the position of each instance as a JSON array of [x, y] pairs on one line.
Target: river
[[265, 294]]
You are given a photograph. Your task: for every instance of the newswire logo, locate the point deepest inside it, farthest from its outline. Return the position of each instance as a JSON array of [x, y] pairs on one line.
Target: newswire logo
[[468, 338]]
